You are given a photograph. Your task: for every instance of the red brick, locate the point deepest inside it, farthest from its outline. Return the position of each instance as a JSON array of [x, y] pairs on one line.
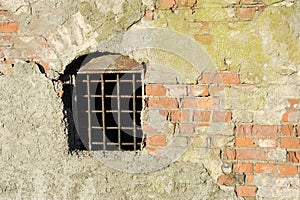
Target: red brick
[[292, 143], [9, 27], [285, 117], [229, 154], [246, 191], [203, 38], [250, 154], [245, 12], [166, 3], [287, 130], [244, 130], [294, 156], [267, 142], [189, 103], [199, 90], [186, 3], [221, 116], [249, 179], [264, 168], [230, 78], [226, 180], [163, 103], [216, 90], [201, 116], [264, 130], [287, 170], [244, 141], [155, 90], [164, 113], [243, 167], [298, 130], [186, 128], [180, 115], [157, 140], [204, 102]]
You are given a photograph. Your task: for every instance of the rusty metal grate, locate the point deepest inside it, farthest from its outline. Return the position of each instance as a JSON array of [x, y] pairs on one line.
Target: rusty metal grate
[[109, 105]]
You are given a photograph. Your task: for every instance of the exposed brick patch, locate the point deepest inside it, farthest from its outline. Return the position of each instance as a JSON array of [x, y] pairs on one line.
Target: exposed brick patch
[[9, 27], [244, 141], [226, 180], [287, 170], [157, 140], [245, 12], [250, 154], [264, 168], [243, 167], [292, 143], [246, 191]]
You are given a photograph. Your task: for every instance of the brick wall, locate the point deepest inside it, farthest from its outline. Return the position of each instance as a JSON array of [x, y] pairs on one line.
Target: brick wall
[[265, 149]]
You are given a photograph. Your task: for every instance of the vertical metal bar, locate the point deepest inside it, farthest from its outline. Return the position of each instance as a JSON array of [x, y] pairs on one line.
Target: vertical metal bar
[[119, 111], [134, 111], [103, 112], [89, 113]]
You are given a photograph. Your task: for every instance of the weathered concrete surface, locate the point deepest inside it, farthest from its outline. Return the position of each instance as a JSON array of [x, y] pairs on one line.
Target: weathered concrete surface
[[35, 164]]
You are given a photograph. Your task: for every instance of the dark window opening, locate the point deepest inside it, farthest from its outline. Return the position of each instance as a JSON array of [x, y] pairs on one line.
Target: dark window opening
[[109, 105]]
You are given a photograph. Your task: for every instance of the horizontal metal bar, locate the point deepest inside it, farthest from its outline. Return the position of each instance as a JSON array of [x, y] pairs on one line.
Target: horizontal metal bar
[[99, 143], [93, 95]]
